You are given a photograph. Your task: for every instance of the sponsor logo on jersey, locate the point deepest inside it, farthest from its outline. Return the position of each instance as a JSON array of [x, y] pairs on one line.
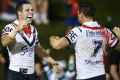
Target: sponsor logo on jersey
[[26, 49], [95, 33], [93, 62]]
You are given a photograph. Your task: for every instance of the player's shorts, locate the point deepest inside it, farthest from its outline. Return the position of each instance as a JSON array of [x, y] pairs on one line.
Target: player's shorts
[[13, 75], [101, 77]]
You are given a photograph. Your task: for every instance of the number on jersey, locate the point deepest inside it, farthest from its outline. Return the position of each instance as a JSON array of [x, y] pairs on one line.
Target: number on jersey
[[98, 45], [72, 35]]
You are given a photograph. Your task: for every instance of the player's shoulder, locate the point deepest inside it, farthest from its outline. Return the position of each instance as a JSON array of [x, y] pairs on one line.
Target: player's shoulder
[[8, 28], [108, 30], [77, 29], [11, 26], [34, 29]]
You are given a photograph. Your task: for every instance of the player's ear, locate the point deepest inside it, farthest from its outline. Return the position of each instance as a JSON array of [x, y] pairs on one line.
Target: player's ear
[[82, 15], [19, 13]]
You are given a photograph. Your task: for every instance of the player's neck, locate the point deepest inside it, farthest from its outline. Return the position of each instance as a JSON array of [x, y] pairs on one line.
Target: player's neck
[[19, 20], [87, 20]]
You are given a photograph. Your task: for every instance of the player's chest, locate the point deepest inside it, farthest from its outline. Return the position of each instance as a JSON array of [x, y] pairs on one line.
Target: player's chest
[[26, 39]]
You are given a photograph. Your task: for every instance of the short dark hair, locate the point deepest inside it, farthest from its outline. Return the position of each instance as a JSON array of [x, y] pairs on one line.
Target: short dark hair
[[87, 8], [19, 6]]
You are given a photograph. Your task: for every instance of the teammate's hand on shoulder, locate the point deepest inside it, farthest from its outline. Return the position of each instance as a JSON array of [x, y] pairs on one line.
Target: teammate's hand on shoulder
[[22, 24], [116, 30]]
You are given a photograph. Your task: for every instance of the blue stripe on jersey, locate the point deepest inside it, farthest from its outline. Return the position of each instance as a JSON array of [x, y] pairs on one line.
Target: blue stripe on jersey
[[27, 41], [79, 29], [30, 44]]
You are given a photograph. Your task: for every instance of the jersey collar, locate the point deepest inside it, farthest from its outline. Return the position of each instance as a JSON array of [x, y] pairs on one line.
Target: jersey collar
[[92, 24], [27, 29]]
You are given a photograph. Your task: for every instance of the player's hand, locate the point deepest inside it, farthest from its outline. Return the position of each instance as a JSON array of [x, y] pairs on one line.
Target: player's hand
[[116, 30], [57, 68], [22, 24], [53, 40]]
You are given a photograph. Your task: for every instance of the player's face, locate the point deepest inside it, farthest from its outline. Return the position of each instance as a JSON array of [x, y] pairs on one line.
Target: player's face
[[27, 12]]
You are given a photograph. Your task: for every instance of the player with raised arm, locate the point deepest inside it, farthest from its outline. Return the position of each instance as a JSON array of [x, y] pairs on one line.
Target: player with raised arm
[[21, 40], [91, 40]]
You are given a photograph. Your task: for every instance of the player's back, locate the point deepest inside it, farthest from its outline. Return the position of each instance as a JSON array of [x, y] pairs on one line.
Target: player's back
[[90, 47], [90, 41]]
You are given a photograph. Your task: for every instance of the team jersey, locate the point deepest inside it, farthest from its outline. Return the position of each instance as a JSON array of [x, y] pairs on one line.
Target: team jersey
[[90, 41], [21, 53]]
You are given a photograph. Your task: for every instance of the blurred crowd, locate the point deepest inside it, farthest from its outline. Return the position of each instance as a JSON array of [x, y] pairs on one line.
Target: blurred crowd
[[40, 8], [43, 69]]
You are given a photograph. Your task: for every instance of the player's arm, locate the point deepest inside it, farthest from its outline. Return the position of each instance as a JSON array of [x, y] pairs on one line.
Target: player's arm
[[116, 30], [9, 38], [2, 59], [58, 43], [41, 53], [114, 72], [72, 36]]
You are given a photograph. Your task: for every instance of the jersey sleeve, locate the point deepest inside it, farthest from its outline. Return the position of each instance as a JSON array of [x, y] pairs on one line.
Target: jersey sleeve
[[113, 40], [73, 35], [7, 29]]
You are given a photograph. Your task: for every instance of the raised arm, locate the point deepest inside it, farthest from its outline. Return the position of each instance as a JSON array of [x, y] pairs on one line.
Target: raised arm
[[9, 38]]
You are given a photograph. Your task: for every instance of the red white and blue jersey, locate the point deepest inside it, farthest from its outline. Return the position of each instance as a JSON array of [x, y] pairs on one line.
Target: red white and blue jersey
[[21, 53], [90, 41]]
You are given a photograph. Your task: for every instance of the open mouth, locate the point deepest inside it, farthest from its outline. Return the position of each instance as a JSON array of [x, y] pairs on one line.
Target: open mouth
[[29, 19], [30, 16]]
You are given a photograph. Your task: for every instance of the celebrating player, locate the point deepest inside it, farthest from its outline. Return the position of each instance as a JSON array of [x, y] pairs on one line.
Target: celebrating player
[[21, 40], [91, 40]]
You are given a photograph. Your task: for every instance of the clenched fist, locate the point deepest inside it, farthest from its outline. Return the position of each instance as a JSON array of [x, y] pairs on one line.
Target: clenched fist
[[22, 24], [54, 40]]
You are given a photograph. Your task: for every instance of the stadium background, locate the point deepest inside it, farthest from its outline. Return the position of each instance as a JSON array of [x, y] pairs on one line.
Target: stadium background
[[106, 9]]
